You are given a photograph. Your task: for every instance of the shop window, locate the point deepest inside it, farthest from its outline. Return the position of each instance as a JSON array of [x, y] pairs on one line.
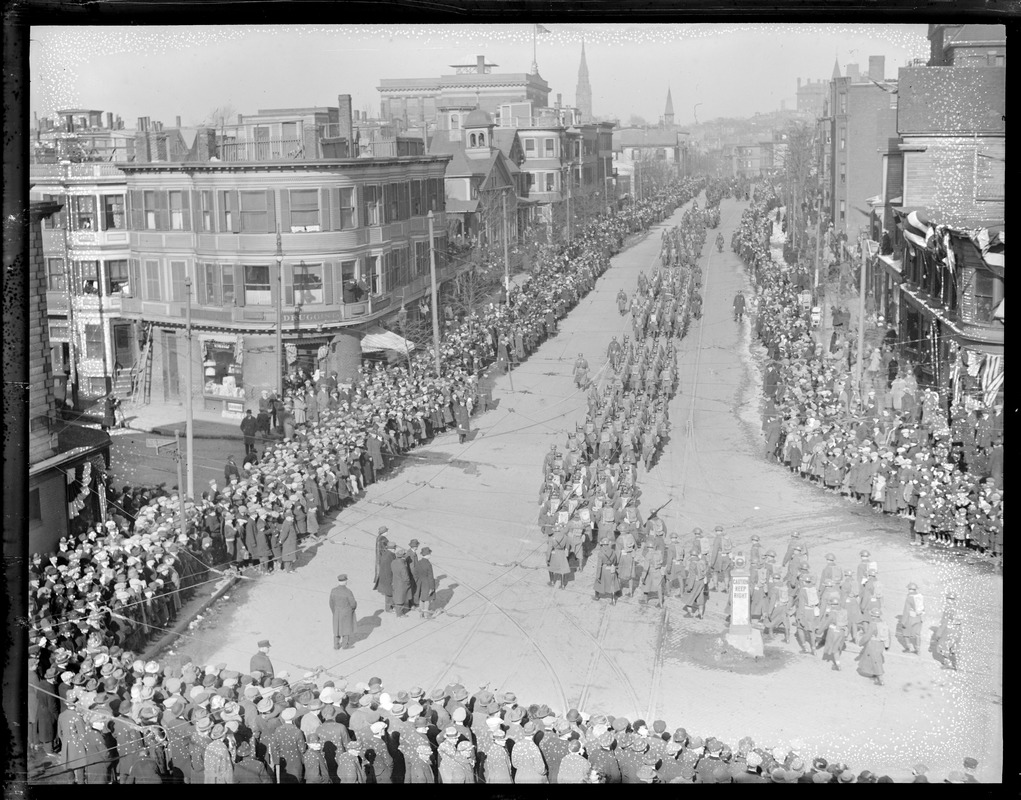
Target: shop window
[[988, 292], [257, 286], [116, 275], [89, 271], [55, 278], [305, 285], [93, 341], [304, 210], [113, 212], [85, 212], [221, 369]]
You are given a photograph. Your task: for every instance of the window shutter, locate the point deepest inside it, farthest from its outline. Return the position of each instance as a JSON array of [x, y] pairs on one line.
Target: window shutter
[[335, 223], [221, 212], [186, 212], [328, 278], [135, 277], [235, 211], [271, 211], [162, 212], [196, 211], [137, 216], [285, 211], [325, 217]]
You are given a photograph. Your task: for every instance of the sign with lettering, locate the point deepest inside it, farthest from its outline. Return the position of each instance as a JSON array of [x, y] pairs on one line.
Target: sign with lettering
[[740, 599]]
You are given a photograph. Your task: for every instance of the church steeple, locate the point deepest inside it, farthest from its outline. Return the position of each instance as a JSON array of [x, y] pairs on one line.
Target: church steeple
[[668, 112], [836, 68], [583, 92]]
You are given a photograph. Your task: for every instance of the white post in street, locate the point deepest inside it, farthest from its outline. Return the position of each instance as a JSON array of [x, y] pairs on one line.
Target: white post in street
[[280, 320], [506, 249], [432, 280], [188, 415]]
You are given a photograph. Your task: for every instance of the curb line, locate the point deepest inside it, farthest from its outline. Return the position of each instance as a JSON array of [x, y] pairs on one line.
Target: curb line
[[182, 624]]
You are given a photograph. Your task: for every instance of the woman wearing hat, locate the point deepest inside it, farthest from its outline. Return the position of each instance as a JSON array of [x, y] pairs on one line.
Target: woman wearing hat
[[874, 644]]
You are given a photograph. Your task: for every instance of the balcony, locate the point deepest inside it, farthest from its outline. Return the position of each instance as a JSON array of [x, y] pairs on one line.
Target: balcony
[[268, 150]]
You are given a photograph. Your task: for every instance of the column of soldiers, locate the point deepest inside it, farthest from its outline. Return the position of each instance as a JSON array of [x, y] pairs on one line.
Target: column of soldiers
[[590, 490]]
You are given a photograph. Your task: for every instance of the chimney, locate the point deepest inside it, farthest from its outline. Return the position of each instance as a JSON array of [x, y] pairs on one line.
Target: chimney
[[205, 144], [142, 151], [241, 119], [480, 62], [177, 122], [799, 83], [877, 68], [558, 99], [120, 123], [853, 73], [345, 122], [109, 120]]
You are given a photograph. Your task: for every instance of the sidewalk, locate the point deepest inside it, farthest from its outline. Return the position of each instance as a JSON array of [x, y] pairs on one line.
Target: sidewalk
[[164, 418]]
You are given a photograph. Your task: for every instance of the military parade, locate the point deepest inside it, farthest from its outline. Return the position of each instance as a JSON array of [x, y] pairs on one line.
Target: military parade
[[768, 544]]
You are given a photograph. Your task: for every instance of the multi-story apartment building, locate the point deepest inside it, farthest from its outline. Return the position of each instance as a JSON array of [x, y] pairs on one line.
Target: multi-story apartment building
[[66, 463], [417, 101], [952, 141], [967, 45], [811, 98], [273, 231], [859, 121]]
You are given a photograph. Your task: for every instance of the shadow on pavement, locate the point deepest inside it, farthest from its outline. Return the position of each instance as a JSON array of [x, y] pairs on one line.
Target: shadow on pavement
[[366, 625]]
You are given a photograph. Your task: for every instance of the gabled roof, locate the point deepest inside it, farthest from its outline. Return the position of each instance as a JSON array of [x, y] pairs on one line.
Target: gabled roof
[[964, 100], [460, 165]]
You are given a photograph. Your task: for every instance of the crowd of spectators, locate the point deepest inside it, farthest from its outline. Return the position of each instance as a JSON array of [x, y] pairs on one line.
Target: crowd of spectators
[[887, 441]]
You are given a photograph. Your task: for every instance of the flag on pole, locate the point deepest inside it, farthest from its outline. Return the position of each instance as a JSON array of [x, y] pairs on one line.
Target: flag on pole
[[541, 29]]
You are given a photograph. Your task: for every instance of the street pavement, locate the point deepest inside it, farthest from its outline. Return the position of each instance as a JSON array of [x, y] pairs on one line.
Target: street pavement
[[475, 506]]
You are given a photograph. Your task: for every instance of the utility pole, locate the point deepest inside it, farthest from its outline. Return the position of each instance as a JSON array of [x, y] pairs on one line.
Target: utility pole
[[818, 240], [279, 315], [180, 481], [432, 280], [506, 250], [570, 180], [861, 325], [188, 413]]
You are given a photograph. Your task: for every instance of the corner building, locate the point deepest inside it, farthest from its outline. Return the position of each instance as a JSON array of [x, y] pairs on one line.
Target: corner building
[[321, 247]]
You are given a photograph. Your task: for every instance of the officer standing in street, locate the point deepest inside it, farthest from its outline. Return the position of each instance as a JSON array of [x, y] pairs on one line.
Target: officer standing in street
[[260, 661], [343, 605]]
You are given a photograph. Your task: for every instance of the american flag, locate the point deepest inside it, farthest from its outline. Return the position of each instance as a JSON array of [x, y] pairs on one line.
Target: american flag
[[541, 29], [992, 378]]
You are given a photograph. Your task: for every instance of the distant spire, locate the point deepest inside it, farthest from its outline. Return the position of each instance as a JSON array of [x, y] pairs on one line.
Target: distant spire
[[836, 68], [668, 113], [583, 91]]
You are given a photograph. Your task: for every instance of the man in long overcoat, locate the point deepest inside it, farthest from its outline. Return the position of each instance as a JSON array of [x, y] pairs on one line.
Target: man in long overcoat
[[343, 605], [401, 583], [425, 583], [384, 576]]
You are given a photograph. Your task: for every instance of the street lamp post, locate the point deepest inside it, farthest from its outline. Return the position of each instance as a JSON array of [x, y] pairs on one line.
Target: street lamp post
[[506, 249], [188, 414]]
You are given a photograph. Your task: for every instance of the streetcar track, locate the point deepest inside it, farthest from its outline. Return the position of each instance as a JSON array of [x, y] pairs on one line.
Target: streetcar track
[[657, 663]]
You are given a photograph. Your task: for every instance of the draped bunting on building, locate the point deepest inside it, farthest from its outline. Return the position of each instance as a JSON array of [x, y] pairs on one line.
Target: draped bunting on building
[[977, 378]]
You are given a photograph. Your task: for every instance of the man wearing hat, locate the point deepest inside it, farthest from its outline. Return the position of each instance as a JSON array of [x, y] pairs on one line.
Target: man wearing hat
[[918, 773], [377, 753], [286, 747], [970, 765], [99, 753], [350, 767], [425, 584], [602, 758], [71, 730], [342, 606], [401, 583], [495, 766], [260, 661], [909, 626], [383, 582], [575, 767], [554, 746]]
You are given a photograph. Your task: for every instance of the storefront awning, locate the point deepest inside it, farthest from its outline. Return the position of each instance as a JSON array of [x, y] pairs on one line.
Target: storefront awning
[[378, 339]]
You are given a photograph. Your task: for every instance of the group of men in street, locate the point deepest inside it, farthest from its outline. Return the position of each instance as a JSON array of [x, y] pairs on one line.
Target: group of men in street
[[404, 576]]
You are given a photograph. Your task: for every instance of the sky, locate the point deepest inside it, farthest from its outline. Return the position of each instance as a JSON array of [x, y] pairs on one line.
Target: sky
[[713, 69]]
